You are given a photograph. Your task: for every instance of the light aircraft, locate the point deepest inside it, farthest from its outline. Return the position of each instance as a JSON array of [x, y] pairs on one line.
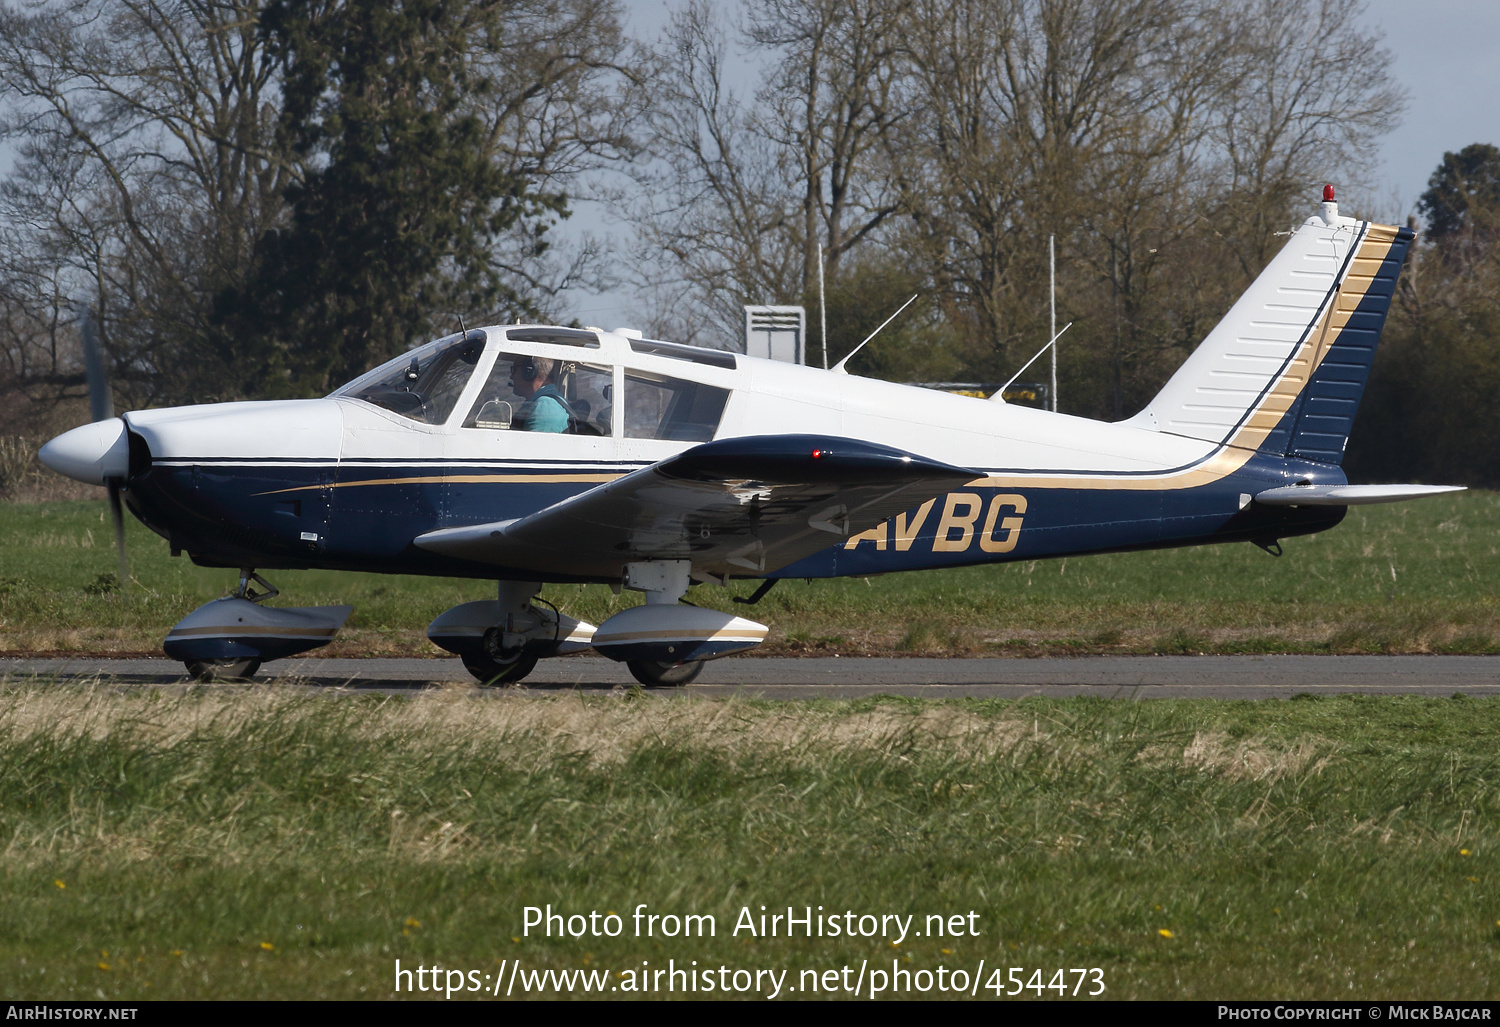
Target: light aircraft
[[528, 454]]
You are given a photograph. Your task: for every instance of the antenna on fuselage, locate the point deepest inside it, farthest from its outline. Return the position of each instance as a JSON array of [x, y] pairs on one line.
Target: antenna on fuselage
[[839, 367], [999, 395]]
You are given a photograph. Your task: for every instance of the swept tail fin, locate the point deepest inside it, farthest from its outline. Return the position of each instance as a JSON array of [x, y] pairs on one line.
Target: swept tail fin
[[1284, 371]]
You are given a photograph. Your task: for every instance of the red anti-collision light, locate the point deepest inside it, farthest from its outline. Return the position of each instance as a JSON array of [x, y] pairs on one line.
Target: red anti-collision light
[[1328, 193], [817, 454]]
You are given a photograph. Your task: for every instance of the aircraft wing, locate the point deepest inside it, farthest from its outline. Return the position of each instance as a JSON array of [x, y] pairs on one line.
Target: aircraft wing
[[743, 506]]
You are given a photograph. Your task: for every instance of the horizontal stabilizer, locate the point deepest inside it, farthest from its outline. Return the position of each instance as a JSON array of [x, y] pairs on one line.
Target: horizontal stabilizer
[[1349, 495]]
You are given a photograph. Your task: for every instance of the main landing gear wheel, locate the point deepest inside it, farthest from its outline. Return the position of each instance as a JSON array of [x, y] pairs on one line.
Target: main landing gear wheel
[[491, 671], [657, 674], [222, 670]]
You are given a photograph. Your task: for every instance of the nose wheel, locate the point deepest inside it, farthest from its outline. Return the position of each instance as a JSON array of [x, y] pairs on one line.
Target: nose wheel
[[659, 674], [208, 671]]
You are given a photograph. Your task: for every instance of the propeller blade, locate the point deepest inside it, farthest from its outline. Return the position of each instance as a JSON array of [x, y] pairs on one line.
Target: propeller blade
[[117, 515], [96, 369], [102, 408]]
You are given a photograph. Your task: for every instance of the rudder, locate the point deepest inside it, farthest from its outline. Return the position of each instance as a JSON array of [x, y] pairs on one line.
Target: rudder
[[1319, 423]]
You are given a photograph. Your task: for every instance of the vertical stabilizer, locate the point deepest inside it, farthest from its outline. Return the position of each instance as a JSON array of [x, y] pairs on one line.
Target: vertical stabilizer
[[1284, 370]]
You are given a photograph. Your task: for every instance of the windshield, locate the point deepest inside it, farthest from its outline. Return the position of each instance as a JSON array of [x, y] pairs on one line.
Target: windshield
[[424, 384]]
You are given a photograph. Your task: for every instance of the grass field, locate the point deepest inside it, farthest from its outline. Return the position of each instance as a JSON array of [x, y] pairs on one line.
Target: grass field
[[261, 843], [1413, 577]]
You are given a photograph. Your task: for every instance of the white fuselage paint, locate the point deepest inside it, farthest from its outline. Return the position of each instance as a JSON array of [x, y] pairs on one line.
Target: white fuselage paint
[[767, 398]]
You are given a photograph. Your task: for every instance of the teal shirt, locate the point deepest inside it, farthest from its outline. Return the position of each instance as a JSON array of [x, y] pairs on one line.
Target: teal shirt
[[545, 411]]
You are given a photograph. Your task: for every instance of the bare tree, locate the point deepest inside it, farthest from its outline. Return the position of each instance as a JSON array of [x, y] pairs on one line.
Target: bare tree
[[746, 189], [571, 94], [152, 166], [147, 165], [1162, 141], [828, 105], [1309, 96], [713, 206]]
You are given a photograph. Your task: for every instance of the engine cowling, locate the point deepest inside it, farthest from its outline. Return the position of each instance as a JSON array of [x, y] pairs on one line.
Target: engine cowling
[[675, 634]]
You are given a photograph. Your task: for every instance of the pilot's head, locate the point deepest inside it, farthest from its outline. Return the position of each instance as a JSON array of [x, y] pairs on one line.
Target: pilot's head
[[528, 374]]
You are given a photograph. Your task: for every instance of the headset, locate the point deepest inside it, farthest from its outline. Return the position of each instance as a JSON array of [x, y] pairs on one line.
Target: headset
[[526, 370]]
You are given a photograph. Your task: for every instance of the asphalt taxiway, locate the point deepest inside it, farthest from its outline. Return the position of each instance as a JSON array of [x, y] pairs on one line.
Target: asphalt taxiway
[[1124, 677]]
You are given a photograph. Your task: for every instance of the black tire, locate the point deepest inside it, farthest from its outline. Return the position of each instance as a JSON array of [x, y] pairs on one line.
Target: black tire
[[209, 671], [490, 671], [656, 674]]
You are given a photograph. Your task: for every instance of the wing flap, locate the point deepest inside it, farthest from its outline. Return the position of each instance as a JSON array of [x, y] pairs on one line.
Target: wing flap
[[733, 507]]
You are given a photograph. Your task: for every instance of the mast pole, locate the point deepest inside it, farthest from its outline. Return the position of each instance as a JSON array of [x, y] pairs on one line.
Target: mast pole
[[1052, 279]]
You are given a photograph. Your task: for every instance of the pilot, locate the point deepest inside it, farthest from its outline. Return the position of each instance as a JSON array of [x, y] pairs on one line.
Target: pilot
[[534, 379]]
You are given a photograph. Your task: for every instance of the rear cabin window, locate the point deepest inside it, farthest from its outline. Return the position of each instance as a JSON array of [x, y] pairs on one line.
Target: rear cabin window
[[424, 384], [543, 394], [660, 407]]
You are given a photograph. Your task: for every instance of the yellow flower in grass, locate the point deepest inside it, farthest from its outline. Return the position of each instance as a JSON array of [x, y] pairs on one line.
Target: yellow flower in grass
[[1165, 933], [59, 883], [267, 946]]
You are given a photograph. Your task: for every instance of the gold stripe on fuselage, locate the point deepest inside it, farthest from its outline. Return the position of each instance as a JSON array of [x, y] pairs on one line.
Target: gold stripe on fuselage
[[460, 479]]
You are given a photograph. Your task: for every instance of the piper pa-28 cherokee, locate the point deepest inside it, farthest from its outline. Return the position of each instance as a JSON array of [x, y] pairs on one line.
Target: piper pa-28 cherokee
[[534, 454]]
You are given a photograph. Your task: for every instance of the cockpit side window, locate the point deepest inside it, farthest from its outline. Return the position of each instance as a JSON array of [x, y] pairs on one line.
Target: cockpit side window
[[544, 394], [424, 384]]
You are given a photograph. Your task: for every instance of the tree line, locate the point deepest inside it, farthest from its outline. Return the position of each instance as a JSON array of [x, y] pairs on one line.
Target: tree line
[[264, 197]]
